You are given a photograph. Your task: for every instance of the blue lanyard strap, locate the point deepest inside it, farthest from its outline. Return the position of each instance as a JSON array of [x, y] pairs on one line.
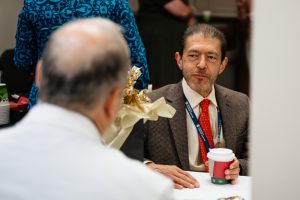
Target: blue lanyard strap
[[219, 126], [203, 137]]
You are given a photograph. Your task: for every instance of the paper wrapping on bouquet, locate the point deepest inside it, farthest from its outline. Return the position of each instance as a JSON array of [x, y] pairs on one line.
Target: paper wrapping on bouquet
[[128, 115], [136, 105]]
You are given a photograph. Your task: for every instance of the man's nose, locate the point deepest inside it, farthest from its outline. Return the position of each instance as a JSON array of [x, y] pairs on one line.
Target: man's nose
[[202, 62]]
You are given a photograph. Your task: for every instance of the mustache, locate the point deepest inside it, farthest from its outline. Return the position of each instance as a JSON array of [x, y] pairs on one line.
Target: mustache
[[200, 71]]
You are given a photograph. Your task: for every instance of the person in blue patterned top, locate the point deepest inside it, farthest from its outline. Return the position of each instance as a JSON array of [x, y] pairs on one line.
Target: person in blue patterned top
[[39, 18]]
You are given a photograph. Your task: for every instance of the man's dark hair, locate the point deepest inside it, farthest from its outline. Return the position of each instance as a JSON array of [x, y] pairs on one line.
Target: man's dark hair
[[207, 31]]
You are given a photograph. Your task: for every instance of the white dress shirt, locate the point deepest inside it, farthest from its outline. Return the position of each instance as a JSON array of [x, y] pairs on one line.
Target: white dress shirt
[[194, 99], [54, 153]]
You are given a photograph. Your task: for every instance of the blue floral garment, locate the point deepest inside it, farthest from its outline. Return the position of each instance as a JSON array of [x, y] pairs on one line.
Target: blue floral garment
[[39, 18]]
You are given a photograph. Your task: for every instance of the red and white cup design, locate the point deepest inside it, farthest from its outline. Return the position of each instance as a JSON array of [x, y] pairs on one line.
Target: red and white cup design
[[219, 160]]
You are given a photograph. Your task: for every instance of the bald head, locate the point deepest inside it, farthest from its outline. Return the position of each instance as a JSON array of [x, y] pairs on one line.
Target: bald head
[[82, 62], [77, 44]]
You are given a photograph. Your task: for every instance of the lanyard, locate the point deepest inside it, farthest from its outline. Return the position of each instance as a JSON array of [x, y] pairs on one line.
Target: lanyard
[[189, 109]]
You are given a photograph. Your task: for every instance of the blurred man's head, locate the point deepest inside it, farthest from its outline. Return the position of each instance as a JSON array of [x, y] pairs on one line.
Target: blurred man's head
[[84, 68], [203, 57]]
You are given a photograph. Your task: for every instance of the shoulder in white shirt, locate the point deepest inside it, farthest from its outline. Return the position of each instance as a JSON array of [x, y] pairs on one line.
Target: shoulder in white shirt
[[58, 154]]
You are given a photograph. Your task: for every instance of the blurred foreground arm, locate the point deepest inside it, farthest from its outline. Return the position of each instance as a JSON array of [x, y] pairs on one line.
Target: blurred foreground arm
[[179, 9]]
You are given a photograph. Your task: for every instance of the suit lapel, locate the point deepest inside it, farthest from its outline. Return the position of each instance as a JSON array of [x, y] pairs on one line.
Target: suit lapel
[[228, 118], [178, 125]]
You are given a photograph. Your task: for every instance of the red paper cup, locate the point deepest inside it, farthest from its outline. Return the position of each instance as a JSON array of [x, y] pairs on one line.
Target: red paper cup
[[219, 160]]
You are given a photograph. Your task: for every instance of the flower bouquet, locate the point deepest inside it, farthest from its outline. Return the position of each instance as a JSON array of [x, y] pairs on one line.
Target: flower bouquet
[[135, 105]]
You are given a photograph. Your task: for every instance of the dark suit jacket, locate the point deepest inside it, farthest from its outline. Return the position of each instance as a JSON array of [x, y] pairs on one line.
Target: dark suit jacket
[[165, 141]]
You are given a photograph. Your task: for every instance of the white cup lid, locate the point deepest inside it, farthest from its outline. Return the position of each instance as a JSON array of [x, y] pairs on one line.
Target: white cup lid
[[221, 154]]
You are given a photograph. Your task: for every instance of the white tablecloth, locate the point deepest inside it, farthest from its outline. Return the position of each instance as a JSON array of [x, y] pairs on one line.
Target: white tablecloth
[[209, 191]]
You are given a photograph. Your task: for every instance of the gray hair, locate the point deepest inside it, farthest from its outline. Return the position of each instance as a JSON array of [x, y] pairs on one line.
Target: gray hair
[[82, 62], [207, 31]]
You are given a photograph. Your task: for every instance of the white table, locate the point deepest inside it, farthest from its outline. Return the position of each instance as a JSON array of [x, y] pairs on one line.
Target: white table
[[209, 191]]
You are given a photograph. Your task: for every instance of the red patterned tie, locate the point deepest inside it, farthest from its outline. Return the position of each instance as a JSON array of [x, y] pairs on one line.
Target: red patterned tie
[[205, 125]]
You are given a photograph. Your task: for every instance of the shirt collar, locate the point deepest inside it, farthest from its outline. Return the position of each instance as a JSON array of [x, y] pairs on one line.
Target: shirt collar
[[195, 98], [45, 113]]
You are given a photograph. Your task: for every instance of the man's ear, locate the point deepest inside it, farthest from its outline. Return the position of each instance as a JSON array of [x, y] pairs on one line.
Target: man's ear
[[38, 75], [223, 65], [111, 104], [178, 60]]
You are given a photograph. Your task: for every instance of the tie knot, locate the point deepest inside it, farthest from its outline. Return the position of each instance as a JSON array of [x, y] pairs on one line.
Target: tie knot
[[204, 104]]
